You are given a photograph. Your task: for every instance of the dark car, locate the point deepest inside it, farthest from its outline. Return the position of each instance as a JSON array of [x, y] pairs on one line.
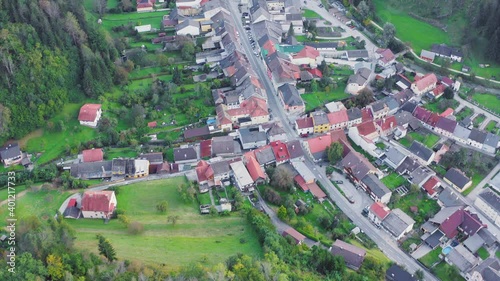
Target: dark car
[[338, 182], [304, 135]]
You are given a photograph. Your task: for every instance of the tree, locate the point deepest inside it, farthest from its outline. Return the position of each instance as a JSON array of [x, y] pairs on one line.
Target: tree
[[135, 228], [364, 10], [55, 267], [314, 86], [448, 93], [187, 51], [105, 248], [388, 33], [162, 206], [282, 178], [419, 274], [334, 152], [124, 219], [364, 97], [213, 211], [176, 76], [291, 32], [282, 213], [414, 188], [173, 219]]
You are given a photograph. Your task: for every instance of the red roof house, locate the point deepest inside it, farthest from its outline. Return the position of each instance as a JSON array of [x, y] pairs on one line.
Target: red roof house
[[366, 114], [424, 84], [291, 232], [318, 144], [449, 111], [461, 220], [338, 119], [308, 52], [98, 204], [206, 148], [386, 56], [368, 130], [89, 114], [255, 170], [386, 125], [422, 114], [316, 191], [438, 91], [447, 81], [152, 124], [316, 73], [280, 151], [430, 186], [379, 210], [301, 182], [92, 155]]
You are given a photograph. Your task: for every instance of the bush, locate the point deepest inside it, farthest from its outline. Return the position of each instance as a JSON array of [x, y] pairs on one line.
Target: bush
[[135, 228]]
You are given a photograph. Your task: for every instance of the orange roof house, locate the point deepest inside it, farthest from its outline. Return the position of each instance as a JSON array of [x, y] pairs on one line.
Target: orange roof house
[[92, 155]]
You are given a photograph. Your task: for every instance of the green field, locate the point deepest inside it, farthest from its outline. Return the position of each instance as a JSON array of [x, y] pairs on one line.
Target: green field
[[421, 35], [318, 99], [489, 101], [431, 258], [491, 126], [154, 18], [478, 120], [428, 140], [195, 237], [125, 152], [443, 270], [483, 253], [4, 192], [465, 112], [426, 207], [393, 180], [434, 106], [310, 14], [476, 179]]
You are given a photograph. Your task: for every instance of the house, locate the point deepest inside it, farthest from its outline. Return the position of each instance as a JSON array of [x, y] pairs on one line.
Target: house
[[378, 212], [355, 116], [393, 157], [488, 202], [71, 211], [280, 152], [473, 243], [425, 84], [221, 170], [305, 125], [447, 198], [386, 126], [455, 219], [398, 223], [155, 160], [196, 133], [437, 92], [90, 114], [92, 155], [242, 177], [441, 50], [379, 109], [98, 204], [129, 167], [427, 55], [445, 127], [354, 55], [185, 155], [365, 135], [145, 5], [403, 83], [265, 155], [294, 234], [11, 154], [490, 143], [385, 57], [304, 172], [431, 185], [353, 256], [91, 170], [320, 122], [335, 106], [488, 270], [204, 175], [316, 146], [420, 175], [462, 258], [356, 166], [398, 273], [410, 107], [407, 166], [358, 81], [461, 134], [252, 137], [476, 138], [295, 150], [256, 172], [206, 148], [275, 132], [188, 7], [143, 28], [225, 146], [338, 119], [457, 179], [376, 189], [392, 103], [307, 56], [290, 99], [423, 153], [188, 27]]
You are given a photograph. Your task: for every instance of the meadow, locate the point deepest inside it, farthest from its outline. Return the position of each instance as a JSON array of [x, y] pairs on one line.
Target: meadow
[[489, 101]]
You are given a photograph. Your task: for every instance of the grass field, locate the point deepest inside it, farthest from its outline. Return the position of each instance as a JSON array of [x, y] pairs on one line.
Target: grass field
[[483, 253], [491, 126], [465, 112], [428, 140], [4, 192], [434, 106], [421, 35], [393, 180], [476, 179], [318, 99], [489, 101], [125, 152], [426, 207], [375, 253], [431, 258], [478, 120], [442, 271], [310, 14], [214, 238], [154, 18]]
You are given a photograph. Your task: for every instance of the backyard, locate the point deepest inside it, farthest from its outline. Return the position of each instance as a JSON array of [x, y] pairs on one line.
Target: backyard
[[393, 180], [446, 272], [431, 258], [464, 112], [318, 99], [426, 208], [440, 105], [490, 127], [310, 14], [428, 139], [214, 238]]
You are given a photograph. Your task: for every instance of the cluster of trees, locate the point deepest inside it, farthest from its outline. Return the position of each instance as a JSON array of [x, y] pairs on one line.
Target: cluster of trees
[[38, 174], [364, 98], [486, 24], [469, 161]]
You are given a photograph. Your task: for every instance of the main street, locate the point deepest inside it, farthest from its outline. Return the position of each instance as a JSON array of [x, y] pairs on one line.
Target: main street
[[383, 239]]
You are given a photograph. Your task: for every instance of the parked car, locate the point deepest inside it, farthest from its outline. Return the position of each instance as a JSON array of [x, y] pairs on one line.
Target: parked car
[[338, 182], [304, 135]]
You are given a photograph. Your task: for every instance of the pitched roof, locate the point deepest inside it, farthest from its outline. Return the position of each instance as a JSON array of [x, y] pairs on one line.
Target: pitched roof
[[397, 273], [297, 236], [203, 171], [421, 151], [255, 169], [380, 210], [491, 140], [182, 154], [446, 124], [439, 90], [206, 148], [295, 149], [354, 113], [352, 255], [265, 155], [462, 258], [408, 166], [375, 185], [397, 222], [387, 123], [291, 96], [468, 222], [98, 201], [301, 182], [319, 118], [321, 142], [425, 81], [461, 132], [366, 114], [359, 165], [196, 132], [306, 122], [409, 106], [316, 190], [449, 199], [430, 184], [88, 112], [248, 135], [422, 114], [394, 155], [338, 117], [457, 177], [449, 111], [280, 151], [492, 199], [428, 54], [386, 55], [153, 158], [477, 135], [307, 52], [10, 151], [315, 72], [366, 128]]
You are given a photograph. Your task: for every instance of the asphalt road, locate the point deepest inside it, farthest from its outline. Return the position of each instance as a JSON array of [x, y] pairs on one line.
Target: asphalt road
[[383, 239]]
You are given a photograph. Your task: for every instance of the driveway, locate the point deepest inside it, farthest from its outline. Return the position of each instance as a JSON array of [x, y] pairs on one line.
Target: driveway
[[421, 251]]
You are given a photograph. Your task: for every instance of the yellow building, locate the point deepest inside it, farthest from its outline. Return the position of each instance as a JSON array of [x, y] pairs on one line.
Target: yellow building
[[320, 122]]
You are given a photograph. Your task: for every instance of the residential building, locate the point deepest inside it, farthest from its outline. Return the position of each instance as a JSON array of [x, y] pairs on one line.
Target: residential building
[[242, 177], [386, 126], [91, 170], [265, 155], [462, 258], [488, 270], [256, 172], [398, 223], [398, 273], [280, 152], [355, 116], [320, 122], [393, 157], [447, 198], [376, 189], [316, 146], [445, 127], [295, 150], [420, 175], [358, 81], [427, 55], [488, 202], [490, 143], [379, 109], [353, 55], [185, 155], [305, 125], [307, 56], [378, 212], [294, 234], [92, 155], [90, 114], [338, 119], [407, 166], [276, 133], [461, 134], [335, 106], [252, 137], [441, 50], [423, 153], [476, 138], [365, 135], [11, 154], [225, 146], [188, 27], [145, 5], [290, 99], [424, 84], [431, 185], [353, 256], [385, 57], [98, 204], [452, 220], [356, 166], [457, 179], [304, 172]]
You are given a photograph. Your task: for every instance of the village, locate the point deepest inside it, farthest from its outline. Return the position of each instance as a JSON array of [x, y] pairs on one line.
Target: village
[[352, 127]]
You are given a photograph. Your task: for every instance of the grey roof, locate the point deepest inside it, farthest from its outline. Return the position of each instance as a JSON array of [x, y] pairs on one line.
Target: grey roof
[[447, 51], [461, 132], [357, 53], [492, 199], [429, 227], [186, 23], [248, 135], [491, 140], [275, 130], [434, 239], [360, 77], [322, 45], [183, 154], [477, 135], [446, 124], [375, 185], [291, 40], [474, 242], [352, 255], [462, 258], [408, 166], [448, 198], [409, 106], [270, 28], [397, 273], [354, 113], [466, 122], [421, 151], [404, 118], [420, 175], [397, 221], [427, 54], [92, 170], [10, 151], [320, 118], [489, 269], [445, 213], [153, 158], [295, 149], [294, 17], [378, 106], [291, 96], [220, 167], [488, 238], [265, 156], [457, 177], [394, 155], [391, 102]]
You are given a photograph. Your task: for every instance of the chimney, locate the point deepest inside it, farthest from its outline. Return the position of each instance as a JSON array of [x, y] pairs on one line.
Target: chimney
[[185, 155], [293, 146]]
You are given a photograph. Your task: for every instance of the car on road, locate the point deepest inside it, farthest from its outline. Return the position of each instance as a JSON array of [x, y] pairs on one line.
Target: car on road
[[321, 6], [304, 135], [351, 200], [338, 182]]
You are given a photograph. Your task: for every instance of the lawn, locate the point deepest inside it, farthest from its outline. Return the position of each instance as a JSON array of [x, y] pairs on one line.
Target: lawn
[[442, 271], [420, 34], [310, 14], [426, 207], [214, 238], [465, 112], [393, 180], [489, 101], [125, 152], [483, 253], [374, 253], [4, 192], [154, 18], [427, 139], [431, 258], [491, 126], [479, 120], [476, 179], [318, 99], [434, 106]]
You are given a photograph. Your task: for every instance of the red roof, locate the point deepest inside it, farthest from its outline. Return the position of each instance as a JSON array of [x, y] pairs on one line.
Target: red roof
[[98, 201], [72, 202], [253, 106], [254, 169], [430, 184], [447, 81], [449, 111], [294, 234], [439, 90], [316, 191], [366, 128], [306, 122], [269, 47], [433, 119], [88, 112], [380, 210], [387, 55], [205, 148], [366, 114], [425, 81], [308, 52], [387, 123], [92, 155], [280, 151], [338, 117], [315, 72], [203, 171], [320, 143], [422, 114], [152, 124], [301, 182]]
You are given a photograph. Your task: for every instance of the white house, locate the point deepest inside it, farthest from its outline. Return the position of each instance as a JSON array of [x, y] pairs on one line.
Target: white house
[[90, 114], [188, 27], [98, 204]]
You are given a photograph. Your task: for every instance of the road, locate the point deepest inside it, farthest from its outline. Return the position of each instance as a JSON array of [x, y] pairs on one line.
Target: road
[[383, 239]]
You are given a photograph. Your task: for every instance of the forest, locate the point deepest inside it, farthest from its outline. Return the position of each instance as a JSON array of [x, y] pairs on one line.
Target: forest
[[49, 55]]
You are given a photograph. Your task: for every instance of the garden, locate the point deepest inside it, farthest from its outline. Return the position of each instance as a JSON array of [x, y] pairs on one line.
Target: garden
[[427, 138], [394, 180], [490, 101], [425, 208]]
